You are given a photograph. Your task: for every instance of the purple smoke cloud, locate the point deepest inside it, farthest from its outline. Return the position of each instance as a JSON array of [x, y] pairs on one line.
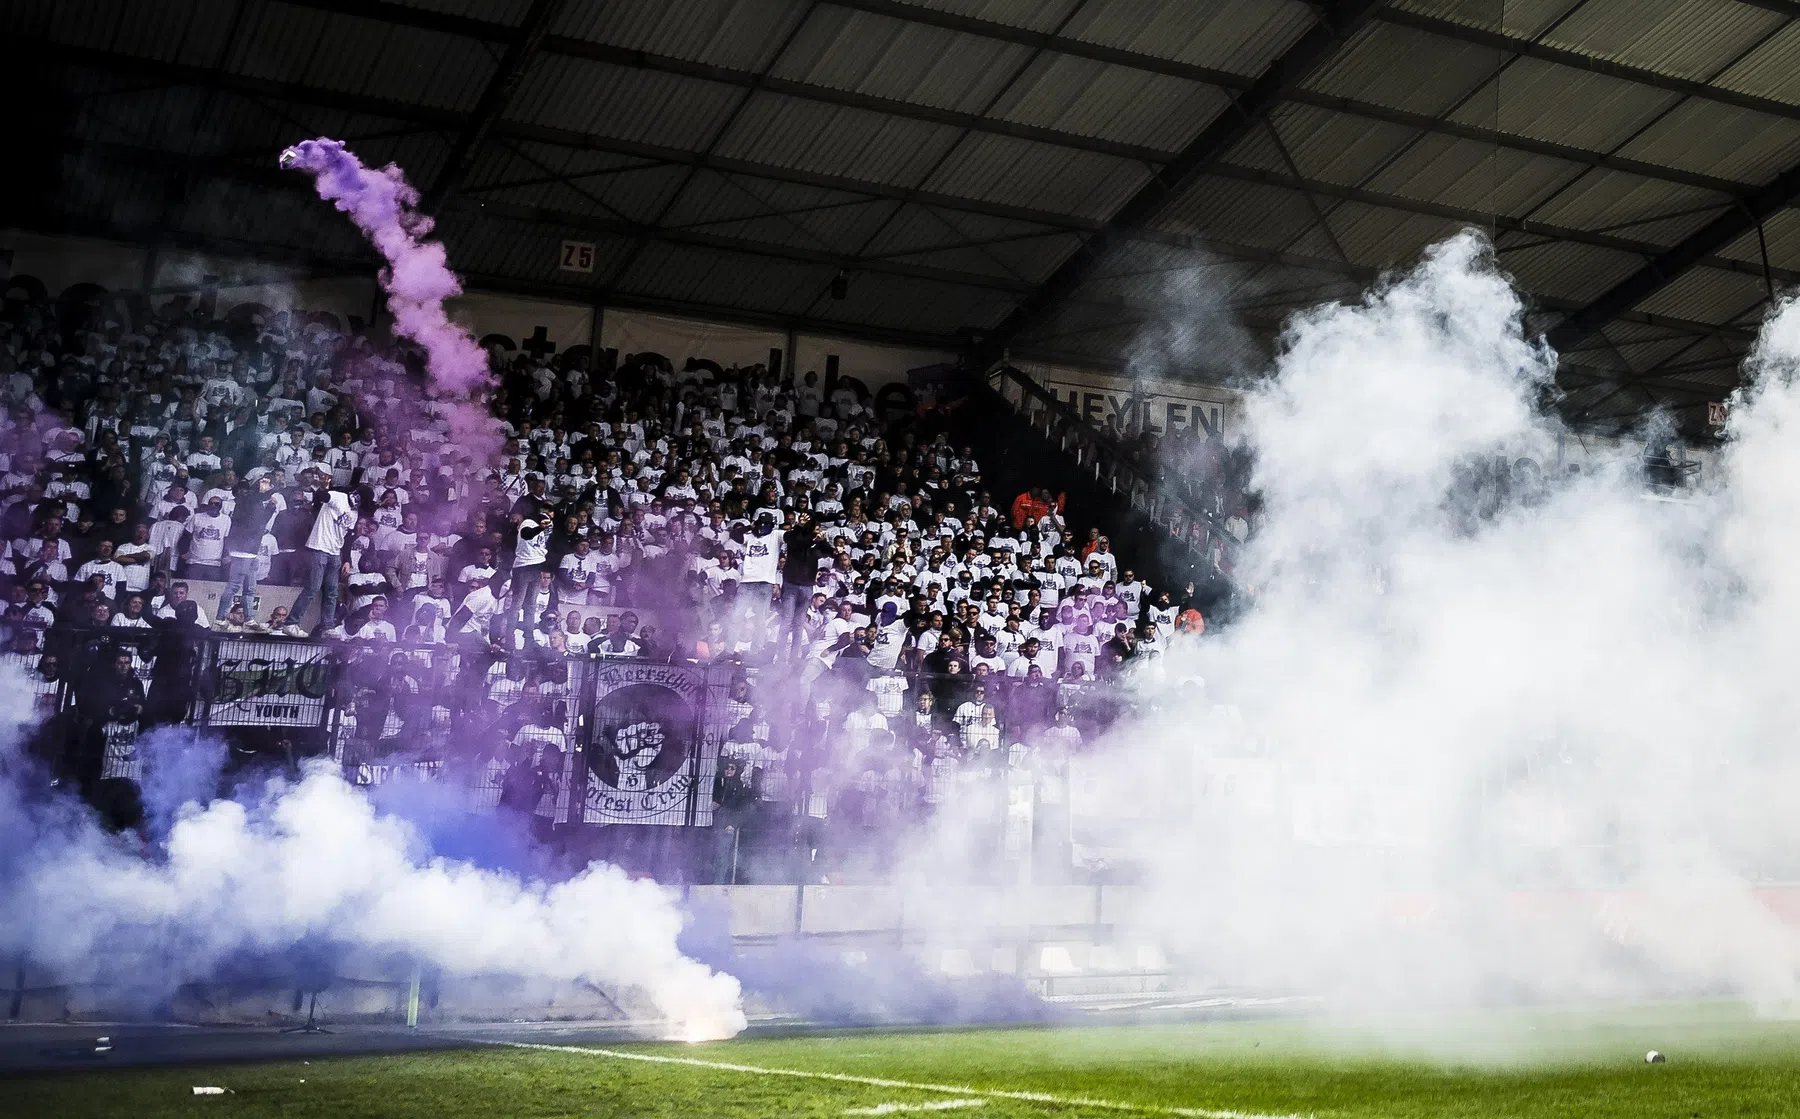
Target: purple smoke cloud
[[417, 278]]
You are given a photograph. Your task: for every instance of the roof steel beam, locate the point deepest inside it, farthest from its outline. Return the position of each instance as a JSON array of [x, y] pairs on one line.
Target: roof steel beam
[[1135, 60], [1079, 48], [1502, 222], [178, 74], [1669, 265], [1561, 56], [1337, 23], [749, 79], [495, 96]]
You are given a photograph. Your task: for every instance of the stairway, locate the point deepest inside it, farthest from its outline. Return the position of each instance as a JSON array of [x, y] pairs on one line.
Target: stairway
[[1034, 439]]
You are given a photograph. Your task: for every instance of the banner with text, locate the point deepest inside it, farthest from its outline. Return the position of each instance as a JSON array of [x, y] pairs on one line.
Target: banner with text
[[654, 745], [270, 683], [1165, 406]]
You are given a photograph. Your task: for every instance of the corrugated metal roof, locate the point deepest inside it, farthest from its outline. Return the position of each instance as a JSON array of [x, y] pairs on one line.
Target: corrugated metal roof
[[1707, 295], [496, 11], [187, 31], [608, 100], [901, 61], [602, 183], [1545, 101], [283, 43], [1782, 235], [1631, 206], [1720, 140], [1772, 70], [1567, 271], [1378, 237], [1323, 145], [1437, 74], [1529, 18], [1094, 99], [1026, 173], [855, 143], [328, 58], [1244, 213], [731, 33], [1455, 172], [824, 221], [1242, 36], [1688, 38]]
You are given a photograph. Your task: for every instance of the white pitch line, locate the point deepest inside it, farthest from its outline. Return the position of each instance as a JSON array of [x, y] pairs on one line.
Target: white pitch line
[[891, 1108], [916, 1086]]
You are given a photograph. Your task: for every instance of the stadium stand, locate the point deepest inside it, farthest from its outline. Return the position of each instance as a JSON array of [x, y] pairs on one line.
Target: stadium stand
[[873, 596]]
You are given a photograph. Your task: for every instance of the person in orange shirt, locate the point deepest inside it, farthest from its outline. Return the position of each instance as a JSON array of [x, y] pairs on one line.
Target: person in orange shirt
[[1032, 505]]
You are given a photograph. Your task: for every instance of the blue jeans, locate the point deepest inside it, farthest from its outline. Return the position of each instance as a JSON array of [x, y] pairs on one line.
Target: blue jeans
[[795, 599], [319, 572], [240, 583]]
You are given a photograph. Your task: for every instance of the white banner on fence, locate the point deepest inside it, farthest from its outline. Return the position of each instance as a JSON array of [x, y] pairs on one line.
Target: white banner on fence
[[653, 751], [270, 683]]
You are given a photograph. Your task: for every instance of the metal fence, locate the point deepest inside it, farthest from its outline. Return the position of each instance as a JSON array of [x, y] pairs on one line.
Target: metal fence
[[706, 772]]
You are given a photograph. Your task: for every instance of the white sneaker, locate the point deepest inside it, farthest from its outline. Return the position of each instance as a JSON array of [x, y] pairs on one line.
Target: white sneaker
[[294, 631]]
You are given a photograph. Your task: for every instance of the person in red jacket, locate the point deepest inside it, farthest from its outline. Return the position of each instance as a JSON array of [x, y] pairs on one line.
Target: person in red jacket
[[1033, 505]]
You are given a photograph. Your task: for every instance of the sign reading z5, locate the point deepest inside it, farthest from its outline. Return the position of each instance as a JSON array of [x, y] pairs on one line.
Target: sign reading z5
[[577, 256], [254, 677]]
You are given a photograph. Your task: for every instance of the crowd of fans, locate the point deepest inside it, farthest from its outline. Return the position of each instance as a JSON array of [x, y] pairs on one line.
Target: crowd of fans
[[691, 514]]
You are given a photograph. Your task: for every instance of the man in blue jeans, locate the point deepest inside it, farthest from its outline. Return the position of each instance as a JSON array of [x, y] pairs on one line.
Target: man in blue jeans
[[243, 543], [321, 558], [802, 550]]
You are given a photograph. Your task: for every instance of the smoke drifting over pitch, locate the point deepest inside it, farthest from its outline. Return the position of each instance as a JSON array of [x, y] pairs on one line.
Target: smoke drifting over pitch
[[1544, 753], [314, 863]]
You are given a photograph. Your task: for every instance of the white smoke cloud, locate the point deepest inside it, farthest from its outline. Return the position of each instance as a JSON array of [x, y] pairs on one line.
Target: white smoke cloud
[[314, 862], [1544, 757], [1445, 762]]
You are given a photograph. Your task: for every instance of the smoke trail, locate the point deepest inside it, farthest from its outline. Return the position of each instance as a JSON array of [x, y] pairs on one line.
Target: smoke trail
[[314, 863], [417, 278]]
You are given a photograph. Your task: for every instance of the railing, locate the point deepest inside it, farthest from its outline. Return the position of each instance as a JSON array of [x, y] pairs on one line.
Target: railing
[[769, 779], [1112, 465]]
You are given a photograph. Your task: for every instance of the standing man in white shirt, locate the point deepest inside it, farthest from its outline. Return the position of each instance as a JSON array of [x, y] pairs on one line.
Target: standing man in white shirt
[[761, 579], [206, 532], [321, 559], [531, 555]]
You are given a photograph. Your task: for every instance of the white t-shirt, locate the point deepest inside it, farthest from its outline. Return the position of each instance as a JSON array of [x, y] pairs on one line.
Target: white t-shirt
[[581, 572], [1083, 648], [532, 550], [762, 558], [137, 575], [112, 573], [890, 693], [208, 543]]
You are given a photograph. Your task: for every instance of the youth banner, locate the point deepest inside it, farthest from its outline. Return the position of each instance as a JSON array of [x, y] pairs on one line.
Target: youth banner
[[270, 683], [654, 745]]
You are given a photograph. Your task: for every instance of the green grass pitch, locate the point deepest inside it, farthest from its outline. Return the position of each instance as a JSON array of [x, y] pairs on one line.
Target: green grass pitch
[[1536, 1065]]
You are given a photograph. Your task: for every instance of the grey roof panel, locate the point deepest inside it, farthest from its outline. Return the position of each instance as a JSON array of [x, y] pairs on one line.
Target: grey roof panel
[[1025, 173], [721, 32]]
